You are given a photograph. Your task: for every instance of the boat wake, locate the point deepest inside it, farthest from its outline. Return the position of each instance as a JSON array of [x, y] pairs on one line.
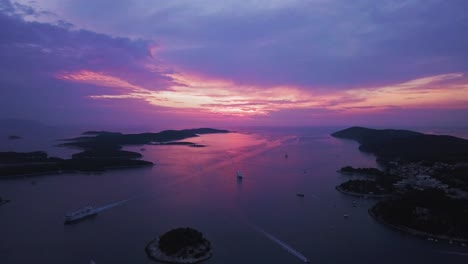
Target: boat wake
[[285, 246], [112, 205], [454, 253]]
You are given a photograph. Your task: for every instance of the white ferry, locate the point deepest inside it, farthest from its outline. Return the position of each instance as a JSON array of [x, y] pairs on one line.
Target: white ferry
[[80, 214]]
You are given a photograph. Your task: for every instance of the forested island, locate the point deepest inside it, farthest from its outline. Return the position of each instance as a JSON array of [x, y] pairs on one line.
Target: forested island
[[426, 175], [104, 140], [180, 245], [377, 182], [38, 162], [363, 188], [101, 150]]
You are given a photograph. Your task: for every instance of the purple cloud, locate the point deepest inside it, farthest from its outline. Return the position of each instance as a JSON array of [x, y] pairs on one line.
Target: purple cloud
[[333, 44], [68, 60]]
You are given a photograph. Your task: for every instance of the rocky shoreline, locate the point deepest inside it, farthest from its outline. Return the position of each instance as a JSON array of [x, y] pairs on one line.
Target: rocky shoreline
[[426, 176], [415, 232], [341, 190], [154, 253]]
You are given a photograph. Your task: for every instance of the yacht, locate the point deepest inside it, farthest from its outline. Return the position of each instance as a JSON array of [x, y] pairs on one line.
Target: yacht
[[80, 214], [239, 175]]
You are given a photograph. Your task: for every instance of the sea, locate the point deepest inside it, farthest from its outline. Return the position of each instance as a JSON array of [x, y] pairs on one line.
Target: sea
[[252, 220]]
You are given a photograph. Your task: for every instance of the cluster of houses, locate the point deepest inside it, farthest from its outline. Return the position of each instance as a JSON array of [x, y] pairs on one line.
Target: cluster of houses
[[420, 182], [418, 176]]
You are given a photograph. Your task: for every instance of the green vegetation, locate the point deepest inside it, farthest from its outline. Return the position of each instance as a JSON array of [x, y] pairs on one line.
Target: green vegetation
[[25, 163], [181, 143], [429, 211], [107, 154], [183, 242], [364, 187], [11, 157], [102, 150], [454, 177], [406, 155], [102, 140], [407, 146]]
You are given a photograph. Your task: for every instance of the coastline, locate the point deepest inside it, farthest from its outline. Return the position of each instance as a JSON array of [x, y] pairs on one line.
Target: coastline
[[360, 174], [415, 232], [338, 188], [27, 175], [153, 252]]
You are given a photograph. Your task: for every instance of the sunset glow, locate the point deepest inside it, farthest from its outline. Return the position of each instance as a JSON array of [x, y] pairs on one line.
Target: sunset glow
[[249, 62], [227, 98]]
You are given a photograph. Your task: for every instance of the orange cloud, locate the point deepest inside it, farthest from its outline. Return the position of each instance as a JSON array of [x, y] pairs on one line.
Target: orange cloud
[[98, 78], [224, 97], [442, 91]]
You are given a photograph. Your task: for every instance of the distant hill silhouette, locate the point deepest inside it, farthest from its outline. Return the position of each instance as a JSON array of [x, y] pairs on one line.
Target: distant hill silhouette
[[101, 151], [104, 140], [407, 146]]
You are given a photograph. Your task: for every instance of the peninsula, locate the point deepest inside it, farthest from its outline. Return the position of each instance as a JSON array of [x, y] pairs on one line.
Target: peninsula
[[426, 176], [407, 146]]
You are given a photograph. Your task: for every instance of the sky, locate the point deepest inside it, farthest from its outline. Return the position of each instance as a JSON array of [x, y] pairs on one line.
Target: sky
[[231, 63]]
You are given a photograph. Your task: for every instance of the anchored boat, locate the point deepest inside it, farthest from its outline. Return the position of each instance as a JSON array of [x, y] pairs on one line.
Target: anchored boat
[[239, 175]]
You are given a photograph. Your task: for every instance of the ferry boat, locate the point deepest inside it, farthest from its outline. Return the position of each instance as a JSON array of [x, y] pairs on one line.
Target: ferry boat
[[239, 175], [80, 214]]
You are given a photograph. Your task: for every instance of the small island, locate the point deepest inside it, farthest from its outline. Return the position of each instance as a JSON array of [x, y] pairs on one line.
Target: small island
[[101, 151], [115, 140], [14, 164], [425, 175], [180, 245], [366, 188]]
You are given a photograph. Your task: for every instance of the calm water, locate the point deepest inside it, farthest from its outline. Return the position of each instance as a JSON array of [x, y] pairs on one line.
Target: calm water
[[197, 187]]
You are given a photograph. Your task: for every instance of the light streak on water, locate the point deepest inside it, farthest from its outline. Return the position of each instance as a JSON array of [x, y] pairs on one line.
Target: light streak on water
[[112, 205], [285, 246]]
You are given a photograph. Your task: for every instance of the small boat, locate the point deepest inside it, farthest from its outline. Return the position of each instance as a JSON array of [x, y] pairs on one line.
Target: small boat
[[346, 215], [3, 201], [300, 194], [239, 175], [80, 214]]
